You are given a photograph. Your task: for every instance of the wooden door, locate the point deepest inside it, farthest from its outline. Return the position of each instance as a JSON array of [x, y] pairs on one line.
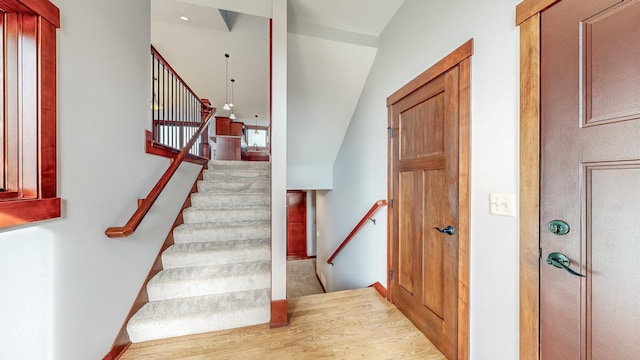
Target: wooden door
[[590, 179], [424, 178], [296, 223]]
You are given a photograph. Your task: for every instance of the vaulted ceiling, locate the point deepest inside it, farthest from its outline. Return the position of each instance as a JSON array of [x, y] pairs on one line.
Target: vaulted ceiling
[[331, 47]]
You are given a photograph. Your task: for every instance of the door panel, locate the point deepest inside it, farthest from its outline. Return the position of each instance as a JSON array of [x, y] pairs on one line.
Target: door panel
[[410, 228], [425, 169], [612, 97], [612, 315], [296, 223], [590, 67]]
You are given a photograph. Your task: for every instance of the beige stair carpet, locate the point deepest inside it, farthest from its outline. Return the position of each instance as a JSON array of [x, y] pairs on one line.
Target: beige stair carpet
[[217, 274]]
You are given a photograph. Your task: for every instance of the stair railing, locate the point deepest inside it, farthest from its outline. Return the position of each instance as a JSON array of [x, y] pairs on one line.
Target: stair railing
[[378, 204], [176, 110], [180, 122]]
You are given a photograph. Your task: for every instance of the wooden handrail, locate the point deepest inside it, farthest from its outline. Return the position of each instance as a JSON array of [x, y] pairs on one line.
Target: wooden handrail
[[374, 208], [147, 202]]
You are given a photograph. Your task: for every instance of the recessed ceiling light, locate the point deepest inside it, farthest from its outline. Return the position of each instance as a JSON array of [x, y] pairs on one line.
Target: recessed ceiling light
[[184, 18]]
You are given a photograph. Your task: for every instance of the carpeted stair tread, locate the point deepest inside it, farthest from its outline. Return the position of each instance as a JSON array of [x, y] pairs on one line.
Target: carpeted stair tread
[[208, 215], [169, 318], [236, 186], [239, 165], [209, 280], [248, 174], [212, 199], [216, 253], [217, 274], [202, 232]]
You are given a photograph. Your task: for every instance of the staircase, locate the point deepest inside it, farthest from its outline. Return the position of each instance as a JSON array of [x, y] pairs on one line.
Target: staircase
[[217, 275]]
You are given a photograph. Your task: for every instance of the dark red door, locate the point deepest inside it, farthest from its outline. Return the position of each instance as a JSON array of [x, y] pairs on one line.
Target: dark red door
[[590, 186], [296, 223]]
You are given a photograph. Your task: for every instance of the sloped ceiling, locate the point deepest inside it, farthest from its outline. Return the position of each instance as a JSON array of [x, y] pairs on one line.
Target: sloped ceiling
[[331, 47]]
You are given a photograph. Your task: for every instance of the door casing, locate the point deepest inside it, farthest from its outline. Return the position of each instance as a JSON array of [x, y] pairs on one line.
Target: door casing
[[528, 18], [460, 57]]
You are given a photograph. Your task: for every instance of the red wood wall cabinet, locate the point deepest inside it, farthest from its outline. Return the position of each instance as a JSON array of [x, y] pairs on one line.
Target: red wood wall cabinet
[[29, 162], [296, 223], [227, 139]]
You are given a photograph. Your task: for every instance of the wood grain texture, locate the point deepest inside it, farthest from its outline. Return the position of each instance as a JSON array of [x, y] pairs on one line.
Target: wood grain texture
[[33, 111], [16, 212], [379, 288], [43, 8], [48, 129], [354, 324], [464, 208], [459, 106], [451, 60], [529, 186], [529, 8], [365, 218], [122, 342]]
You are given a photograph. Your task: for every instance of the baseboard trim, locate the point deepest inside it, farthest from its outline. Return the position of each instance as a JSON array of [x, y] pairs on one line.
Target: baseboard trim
[[380, 288], [116, 352], [279, 316], [321, 285]]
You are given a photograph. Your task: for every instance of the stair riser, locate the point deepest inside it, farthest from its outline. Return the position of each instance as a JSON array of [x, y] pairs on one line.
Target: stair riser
[[244, 174], [217, 275], [229, 200], [221, 234], [163, 319], [203, 287], [172, 261], [239, 165], [235, 187], [198, 324], [193, 216]]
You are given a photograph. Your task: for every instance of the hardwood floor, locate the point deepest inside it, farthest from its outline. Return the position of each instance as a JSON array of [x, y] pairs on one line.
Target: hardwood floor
[[353, 324]]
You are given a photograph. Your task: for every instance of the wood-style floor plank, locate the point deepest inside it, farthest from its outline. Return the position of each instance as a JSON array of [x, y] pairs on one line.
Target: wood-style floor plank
[[353, 324]]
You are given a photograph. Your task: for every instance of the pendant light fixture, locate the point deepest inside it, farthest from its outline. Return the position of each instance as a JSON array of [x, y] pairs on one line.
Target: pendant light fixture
[[232, 116], [226, 88], [256, 130]]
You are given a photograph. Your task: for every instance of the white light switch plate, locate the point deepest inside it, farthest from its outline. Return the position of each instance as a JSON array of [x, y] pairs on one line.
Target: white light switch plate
[[502, 204]]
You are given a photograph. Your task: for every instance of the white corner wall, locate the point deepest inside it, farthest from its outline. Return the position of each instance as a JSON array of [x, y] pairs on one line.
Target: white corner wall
[[66, 287], [421, 33], [279, 152], [309, 177]]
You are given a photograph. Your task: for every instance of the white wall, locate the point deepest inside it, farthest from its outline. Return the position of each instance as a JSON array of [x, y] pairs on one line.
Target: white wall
[[320, 103], [66, 287], [309, 177], [197, 54], [279, 153], [421, 33]]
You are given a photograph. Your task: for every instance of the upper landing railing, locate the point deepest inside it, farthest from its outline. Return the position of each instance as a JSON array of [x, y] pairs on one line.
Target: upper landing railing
[[180, 124]]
